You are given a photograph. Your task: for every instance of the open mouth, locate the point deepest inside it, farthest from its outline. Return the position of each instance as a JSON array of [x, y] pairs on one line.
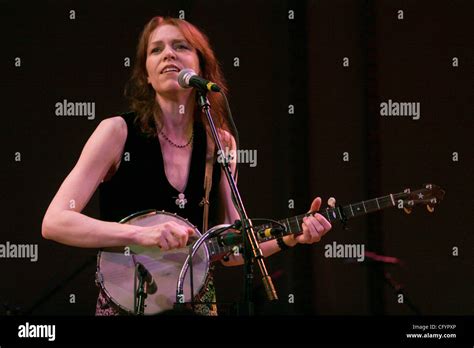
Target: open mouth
[[170, 69]]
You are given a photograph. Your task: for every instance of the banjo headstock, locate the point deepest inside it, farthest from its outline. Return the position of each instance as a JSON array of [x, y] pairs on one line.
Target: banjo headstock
[[430, 195]]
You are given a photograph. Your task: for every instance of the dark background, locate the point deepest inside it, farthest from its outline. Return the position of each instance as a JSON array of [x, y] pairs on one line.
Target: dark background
[[282, 62]]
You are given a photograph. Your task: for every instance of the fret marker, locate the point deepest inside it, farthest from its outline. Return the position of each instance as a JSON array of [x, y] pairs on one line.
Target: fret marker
[[420, 195]]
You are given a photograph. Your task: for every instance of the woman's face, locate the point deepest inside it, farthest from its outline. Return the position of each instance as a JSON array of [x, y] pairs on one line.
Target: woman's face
[[168, 53]]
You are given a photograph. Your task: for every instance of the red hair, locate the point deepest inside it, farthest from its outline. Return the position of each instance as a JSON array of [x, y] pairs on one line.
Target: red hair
[[141, 94]]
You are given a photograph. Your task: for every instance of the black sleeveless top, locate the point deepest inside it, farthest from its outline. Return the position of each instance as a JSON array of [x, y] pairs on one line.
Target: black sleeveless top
[[140, 183]]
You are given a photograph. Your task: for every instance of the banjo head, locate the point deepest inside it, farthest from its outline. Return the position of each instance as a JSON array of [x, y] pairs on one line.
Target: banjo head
[[116, 267]]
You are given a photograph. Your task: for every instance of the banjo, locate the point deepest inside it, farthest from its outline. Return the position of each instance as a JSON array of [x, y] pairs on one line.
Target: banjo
[[116, 266]]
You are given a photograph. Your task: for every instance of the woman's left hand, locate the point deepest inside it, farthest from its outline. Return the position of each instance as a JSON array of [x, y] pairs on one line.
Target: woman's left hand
[[314, 227]]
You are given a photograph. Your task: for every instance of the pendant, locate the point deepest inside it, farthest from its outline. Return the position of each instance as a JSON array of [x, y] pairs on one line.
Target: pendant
[[181, 200]]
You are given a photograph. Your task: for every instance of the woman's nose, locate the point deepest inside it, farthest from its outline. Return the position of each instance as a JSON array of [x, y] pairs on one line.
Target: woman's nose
[[168, 53]]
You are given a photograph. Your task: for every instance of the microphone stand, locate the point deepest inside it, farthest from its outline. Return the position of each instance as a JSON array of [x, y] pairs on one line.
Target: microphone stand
[[252, 252], [140, 292]]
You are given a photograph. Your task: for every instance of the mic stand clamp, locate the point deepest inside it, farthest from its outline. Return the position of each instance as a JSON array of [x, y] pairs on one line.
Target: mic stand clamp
[[252, 252]]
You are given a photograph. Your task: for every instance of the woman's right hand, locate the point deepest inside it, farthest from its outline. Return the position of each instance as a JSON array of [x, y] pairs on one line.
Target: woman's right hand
[[166, 236]]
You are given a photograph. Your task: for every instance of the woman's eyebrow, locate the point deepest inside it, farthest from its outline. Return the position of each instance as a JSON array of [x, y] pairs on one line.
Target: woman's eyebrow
[[172, 41]]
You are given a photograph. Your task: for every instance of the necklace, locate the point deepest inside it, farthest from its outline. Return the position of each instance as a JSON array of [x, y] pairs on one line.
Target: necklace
[[176, 145]]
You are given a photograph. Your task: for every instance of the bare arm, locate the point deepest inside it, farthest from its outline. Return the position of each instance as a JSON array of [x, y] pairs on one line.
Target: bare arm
[[63, 221]]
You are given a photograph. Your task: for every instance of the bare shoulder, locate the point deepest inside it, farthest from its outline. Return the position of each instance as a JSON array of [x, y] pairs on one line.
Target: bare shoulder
[[113, 126], [227, 138], [105, 145]]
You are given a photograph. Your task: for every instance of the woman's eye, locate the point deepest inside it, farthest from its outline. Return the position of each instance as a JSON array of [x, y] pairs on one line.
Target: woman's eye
[[177, 47]]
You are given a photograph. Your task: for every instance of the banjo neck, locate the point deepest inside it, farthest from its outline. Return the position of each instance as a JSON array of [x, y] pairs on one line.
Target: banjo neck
[[430, 195], [116, 270]]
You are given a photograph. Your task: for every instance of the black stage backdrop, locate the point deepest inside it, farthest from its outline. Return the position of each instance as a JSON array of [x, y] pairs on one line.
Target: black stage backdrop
[[307, 81]]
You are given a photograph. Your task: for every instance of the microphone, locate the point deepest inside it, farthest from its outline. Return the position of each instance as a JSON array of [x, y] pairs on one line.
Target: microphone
[[147, 277], [188, 78], [231, 239]]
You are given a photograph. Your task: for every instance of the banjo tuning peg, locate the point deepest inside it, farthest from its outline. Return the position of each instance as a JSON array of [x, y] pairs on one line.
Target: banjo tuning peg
[[332, 202], [430, 208], [407, 210]]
